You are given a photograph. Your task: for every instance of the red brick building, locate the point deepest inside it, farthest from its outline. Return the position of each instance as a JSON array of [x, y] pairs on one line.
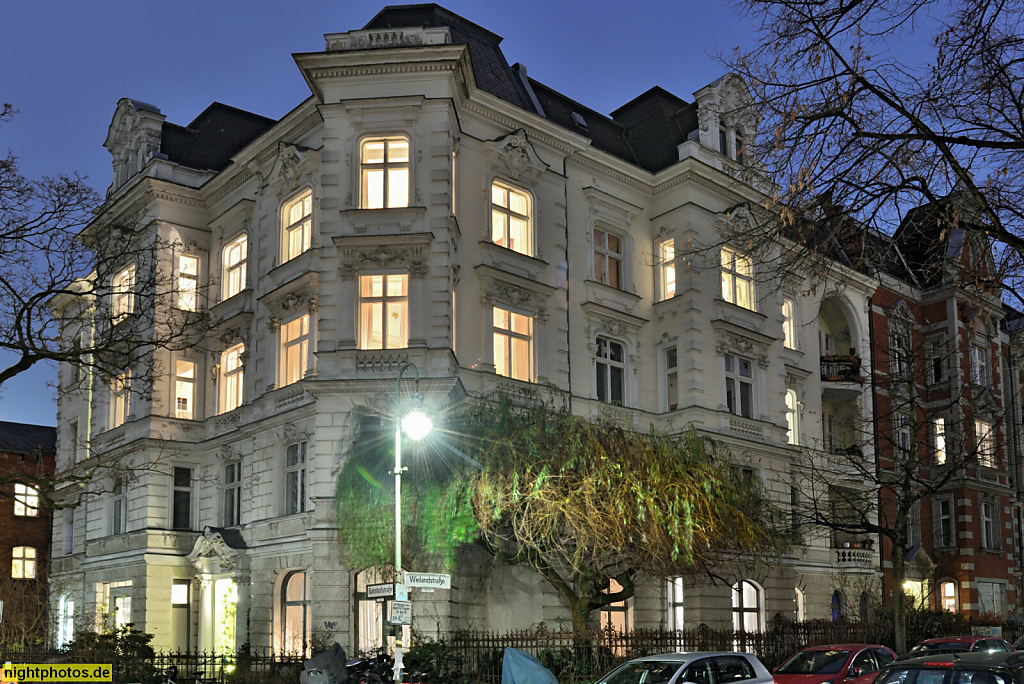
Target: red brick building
[[26, 463]]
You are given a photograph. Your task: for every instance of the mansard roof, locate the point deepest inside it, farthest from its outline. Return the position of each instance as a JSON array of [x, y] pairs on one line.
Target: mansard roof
[[22, 438], [213, 137]]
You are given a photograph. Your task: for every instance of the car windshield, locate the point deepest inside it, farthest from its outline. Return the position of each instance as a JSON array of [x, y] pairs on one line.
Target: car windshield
[[941, 647], [642, 672], [814, 662], [943, 675]]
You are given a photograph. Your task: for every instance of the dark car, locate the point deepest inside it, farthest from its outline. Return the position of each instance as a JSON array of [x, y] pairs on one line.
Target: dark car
[[957, 668], [961, 644], [834, 664]]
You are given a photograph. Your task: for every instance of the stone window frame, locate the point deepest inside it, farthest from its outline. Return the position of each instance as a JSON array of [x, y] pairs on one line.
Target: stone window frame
[[386, 166], [241, 266], [305, 223]]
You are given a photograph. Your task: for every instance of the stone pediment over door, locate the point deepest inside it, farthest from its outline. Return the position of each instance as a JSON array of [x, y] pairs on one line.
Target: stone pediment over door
[[219, 551]]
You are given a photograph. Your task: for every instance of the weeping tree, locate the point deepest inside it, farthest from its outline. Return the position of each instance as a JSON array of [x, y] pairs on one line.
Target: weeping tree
[[581, 501]]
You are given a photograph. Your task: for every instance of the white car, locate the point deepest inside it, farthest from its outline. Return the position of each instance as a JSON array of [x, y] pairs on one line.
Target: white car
[[700, 667]]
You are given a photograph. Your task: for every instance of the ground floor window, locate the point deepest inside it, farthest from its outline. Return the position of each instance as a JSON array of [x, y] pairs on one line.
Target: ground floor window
[[225, 592], [296, 600], [65, 621], [113, 604], [675, 603], [747, 607]]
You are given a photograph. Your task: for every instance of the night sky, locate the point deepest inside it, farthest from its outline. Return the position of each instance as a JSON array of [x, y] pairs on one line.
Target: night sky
[[66, 64]]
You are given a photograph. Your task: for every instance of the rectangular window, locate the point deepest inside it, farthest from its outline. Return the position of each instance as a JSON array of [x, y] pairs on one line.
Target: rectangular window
[[939, 440], [667, 262], [741, 150], [298, 225], [73, 440], [675, 603], [611, 371], [737, 279], [119, 508], [235, 254], [979, 366], [26, 500], [513, 344], [902, 436], [789, 322], [510, 218], [294, 349], [184, 389], [23, 563], [69, 531], [986, 443], [295, 479], [671, 378], [617, 616], [723, 141], [121, 392], [899, 352], [384, 311], [946, 537], [232, 494], [739, 385], [607, 259], [122, 294], [936, 362], [792, 432], [232, 377], [188, 282], [990, 596], [989, 528], [181, 502], [385, 173]]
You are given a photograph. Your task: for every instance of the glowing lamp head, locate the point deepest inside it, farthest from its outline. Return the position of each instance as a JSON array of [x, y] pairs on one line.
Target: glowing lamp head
[[416, 425]]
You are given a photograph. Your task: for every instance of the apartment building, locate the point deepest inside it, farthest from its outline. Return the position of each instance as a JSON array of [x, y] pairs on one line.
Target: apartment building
[[430, 204]]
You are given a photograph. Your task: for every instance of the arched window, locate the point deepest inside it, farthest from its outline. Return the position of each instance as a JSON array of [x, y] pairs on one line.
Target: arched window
[[865, 607], [296, 625], [747, 607], [65, 621], [801, 605], [838, 605]]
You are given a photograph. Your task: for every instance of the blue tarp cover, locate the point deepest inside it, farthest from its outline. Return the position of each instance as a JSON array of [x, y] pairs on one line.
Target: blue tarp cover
[[519, 667]]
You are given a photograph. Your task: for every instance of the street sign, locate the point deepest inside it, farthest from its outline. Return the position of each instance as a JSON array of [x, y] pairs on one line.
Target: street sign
[[401, 612], [430, 580], [380, 590]]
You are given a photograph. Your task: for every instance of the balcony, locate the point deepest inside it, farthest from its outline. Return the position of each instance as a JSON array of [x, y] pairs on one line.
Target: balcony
[[841, 368]]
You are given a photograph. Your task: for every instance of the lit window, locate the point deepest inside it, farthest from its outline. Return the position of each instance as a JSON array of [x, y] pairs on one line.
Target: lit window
[[295, 478], [298, 225], [979, 366], [184, 389], [65, 621], [385, 177], [296, 621], [510, 218], [121, 391], [122, 295], [737, 279], [384, 311], [746, 607], [181, 502], [232, 378], [671, 378], [617, 616], [902, 436], [801, 605], [294, 349], [986, 443], [232, 494], [26, 500], [188, 282], [792, 432], [23, 564], [939, 440], [989, 534], [607, 259], [675, 603], [947, 591], [119, 508], [945, 507], [513, 344], [739, 385], [789, 323], [235, 255], [667, 261], [611, 371]]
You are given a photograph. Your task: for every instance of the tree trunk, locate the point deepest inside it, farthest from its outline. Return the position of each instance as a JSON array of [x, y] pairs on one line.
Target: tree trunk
[[899, 604]]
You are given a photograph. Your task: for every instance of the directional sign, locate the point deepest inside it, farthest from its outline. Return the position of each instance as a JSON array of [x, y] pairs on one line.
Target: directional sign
[[401, 612], [380, 590], [431, 580]]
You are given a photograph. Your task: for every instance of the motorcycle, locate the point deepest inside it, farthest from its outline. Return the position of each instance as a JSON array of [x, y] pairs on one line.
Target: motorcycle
[[378, 669]]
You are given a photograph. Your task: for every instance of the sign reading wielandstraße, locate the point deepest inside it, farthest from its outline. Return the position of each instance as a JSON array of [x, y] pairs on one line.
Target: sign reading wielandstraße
[[432, 580]]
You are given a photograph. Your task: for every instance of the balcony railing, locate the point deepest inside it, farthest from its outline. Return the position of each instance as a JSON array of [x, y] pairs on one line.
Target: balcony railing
[[858, 557], [836, 368]]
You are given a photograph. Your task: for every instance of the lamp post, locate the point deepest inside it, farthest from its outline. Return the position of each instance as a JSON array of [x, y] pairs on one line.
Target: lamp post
[[416, 426]]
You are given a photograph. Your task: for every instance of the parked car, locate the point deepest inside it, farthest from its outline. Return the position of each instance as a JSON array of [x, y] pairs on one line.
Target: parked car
[[705, 667], [835, 664], [957, 668], [1019, 644], [960, 644]]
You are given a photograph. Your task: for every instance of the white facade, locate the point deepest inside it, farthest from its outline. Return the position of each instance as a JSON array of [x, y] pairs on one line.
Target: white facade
[[404, 214]]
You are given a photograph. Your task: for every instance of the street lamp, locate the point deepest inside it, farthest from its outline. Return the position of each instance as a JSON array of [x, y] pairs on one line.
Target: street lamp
[[416, 425]]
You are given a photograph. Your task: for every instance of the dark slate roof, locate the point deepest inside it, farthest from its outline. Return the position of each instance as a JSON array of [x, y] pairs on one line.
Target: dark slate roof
[[21, 438], [492, 72], [925, 237], [605, 134], [213, 137], [233, 538], [656, 123]]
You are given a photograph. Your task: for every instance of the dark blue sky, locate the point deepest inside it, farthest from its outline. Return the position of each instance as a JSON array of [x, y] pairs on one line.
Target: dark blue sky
[[66, 64]]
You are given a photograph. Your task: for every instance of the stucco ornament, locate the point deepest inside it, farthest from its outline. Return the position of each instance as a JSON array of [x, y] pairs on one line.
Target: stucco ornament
[[734, 344], [514, 155], [211, 555]]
